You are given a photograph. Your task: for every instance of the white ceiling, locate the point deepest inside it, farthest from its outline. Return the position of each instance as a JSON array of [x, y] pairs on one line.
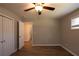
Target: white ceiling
[[60, 9]]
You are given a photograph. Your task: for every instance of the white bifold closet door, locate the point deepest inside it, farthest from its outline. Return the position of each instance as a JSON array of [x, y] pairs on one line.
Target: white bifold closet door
[[1, 41], [8, 36]]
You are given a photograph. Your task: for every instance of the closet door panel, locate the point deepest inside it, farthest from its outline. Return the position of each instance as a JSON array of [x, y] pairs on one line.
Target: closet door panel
[[1, 36], [7, 36], [12, 41]]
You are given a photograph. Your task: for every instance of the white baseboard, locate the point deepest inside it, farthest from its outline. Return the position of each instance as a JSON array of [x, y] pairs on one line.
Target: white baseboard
[[56, 45], [45, 44], [13, 52], [69, 50]]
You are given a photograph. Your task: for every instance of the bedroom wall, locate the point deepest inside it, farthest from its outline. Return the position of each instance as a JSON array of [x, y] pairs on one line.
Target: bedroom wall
[[70, 37], [8, 13], [46, 31]]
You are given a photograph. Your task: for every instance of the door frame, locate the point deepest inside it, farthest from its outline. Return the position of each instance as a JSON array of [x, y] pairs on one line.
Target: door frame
[[32, 34], [17, 35]]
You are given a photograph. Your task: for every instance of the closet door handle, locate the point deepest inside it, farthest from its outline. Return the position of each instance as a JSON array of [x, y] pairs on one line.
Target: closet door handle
[[19, 36], [2, 41]]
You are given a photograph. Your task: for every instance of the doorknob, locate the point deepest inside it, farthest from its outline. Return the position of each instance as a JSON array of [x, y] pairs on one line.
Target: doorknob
[[2, 41], [19, 36]]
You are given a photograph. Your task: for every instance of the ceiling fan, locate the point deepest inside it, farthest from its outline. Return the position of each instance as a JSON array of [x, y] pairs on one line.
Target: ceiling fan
[[39, 7]]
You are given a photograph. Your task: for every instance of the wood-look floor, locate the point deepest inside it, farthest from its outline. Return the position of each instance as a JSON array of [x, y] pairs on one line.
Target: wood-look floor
[[29, 50]]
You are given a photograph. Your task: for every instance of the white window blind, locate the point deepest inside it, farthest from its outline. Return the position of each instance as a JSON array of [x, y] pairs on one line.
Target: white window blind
[[75, 23]]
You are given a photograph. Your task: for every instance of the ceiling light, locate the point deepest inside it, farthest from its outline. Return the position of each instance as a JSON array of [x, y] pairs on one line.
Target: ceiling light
[[38, 8]]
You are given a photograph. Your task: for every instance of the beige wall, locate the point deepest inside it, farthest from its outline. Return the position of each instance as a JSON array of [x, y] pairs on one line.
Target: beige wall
[[70, 38], [8, 13], [27, 30], [46, 31]]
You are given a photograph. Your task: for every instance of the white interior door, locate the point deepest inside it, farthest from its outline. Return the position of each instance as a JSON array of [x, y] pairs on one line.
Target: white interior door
[[21, 34], [1, 36], [7, 36]]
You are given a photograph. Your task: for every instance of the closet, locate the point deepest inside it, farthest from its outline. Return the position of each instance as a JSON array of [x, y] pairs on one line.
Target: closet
[[7, 37]]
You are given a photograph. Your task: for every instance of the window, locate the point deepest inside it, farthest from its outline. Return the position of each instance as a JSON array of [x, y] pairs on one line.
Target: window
[[75, 23]]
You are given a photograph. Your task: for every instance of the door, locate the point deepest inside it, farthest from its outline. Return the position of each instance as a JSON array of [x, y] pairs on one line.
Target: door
[[8, 45], [21, 34], [1, 41]]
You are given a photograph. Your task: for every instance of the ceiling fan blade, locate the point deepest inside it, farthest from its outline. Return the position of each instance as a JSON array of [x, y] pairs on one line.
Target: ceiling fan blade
[[29, 9], [49, 8]]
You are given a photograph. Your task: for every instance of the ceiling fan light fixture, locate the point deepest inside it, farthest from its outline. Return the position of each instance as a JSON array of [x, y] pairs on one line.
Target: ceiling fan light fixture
[[38, 8]]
